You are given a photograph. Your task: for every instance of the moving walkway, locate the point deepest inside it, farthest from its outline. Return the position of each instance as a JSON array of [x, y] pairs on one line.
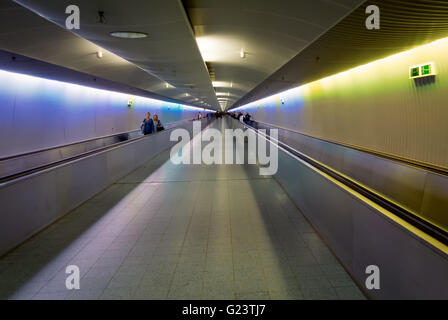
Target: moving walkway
[[415, 192], [20, 165]]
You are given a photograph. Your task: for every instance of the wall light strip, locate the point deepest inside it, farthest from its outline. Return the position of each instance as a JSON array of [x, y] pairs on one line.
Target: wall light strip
[[337, 75], [32, 83]]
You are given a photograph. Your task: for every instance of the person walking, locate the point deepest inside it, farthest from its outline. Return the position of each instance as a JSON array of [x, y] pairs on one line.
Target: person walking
[[147, 125]]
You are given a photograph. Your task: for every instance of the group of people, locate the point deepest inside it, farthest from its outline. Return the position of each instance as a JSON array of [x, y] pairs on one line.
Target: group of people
[[149, 125], [245, 118], [210, 115], [152, 125], [242, 118]]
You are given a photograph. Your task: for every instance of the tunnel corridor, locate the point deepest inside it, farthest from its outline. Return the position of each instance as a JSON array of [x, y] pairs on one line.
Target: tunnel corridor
[[197, 153], [170, 231]]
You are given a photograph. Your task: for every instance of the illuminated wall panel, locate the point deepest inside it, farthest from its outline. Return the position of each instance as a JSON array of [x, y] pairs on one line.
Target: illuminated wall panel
[[36, 113], [375, 106]]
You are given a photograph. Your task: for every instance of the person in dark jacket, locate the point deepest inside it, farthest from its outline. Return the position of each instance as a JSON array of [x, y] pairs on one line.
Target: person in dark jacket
[[147, 126]]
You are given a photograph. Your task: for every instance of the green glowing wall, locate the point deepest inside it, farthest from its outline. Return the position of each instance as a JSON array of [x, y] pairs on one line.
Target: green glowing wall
[[375, 106]]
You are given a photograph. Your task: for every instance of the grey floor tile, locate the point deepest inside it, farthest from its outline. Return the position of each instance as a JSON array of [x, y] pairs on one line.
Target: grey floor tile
[[190, 291], [306, 272], [332, 269], [340, 280], [249, 284], [53, 286], [151, 293], [286, 294], [125, 281], [84, 294], [58, 295], [18, 296], [136, 270], [100, 282], [258, 295], [218, 290], [349, 293], [319, 293], [118, 294], [158, 280], [101, 271], [29, 287], [314, 283]]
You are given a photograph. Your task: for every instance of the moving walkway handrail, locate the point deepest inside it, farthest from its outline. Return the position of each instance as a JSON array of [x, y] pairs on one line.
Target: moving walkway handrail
[[33, 170], [414, 163], [408, 216], [20, 155]]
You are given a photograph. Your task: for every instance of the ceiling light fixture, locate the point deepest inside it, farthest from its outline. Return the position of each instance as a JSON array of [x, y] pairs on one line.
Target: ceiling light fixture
[[128, 34], [220, 84], [242, 53], [99, 54]]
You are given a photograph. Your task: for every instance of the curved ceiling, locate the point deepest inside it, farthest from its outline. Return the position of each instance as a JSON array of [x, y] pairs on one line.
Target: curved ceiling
[[269, 33], [403, 25], [221, 54], [266, 33]]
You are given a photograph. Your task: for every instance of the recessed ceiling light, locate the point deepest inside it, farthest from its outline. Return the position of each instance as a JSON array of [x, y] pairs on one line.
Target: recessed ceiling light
[[128, 34], [220, 84]]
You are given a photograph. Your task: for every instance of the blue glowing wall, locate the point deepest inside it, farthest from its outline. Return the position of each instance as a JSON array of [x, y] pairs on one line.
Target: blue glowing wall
[[37, 113]]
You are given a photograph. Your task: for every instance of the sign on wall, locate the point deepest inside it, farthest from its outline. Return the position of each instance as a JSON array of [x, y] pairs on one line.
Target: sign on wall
[[422, 70]]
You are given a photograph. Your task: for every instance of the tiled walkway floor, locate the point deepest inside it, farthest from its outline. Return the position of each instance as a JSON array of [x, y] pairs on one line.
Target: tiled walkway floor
[[180, 232]]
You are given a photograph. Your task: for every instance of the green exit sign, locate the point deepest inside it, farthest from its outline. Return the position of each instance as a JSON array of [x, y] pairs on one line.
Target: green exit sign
[[422, 70], [415, 72], [426, 70]]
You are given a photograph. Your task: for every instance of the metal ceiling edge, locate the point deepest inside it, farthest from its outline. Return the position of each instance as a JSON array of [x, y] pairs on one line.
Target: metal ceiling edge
[[190, 28]]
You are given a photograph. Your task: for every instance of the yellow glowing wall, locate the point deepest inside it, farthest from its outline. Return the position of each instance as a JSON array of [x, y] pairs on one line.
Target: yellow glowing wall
[[375, 106]]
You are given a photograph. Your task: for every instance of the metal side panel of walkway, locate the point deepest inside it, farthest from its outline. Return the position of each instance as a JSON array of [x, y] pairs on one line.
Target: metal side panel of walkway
[[180, 232]]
